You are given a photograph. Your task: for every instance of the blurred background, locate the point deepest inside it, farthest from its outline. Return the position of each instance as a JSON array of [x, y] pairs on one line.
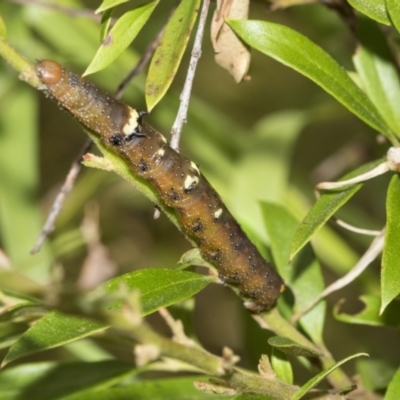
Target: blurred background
[[270, 138]]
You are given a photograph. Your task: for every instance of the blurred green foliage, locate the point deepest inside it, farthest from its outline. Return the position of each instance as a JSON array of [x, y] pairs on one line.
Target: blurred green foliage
[[268, 140]]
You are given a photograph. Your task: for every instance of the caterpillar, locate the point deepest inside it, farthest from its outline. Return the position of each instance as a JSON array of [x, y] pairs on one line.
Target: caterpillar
[[178, 181]]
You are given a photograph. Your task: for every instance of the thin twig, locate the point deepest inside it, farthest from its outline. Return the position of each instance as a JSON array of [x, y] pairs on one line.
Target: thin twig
[[181, 117], [373, 251], [60, 198]]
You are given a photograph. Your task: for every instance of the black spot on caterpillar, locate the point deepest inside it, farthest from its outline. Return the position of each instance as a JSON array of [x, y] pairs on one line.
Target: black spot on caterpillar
[[178, 181]]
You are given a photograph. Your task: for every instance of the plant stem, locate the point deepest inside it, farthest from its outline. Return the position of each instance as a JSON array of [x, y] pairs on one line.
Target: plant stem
[[26, 70]]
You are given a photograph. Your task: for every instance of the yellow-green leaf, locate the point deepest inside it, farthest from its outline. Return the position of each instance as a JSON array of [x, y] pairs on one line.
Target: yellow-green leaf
[[168, 54]]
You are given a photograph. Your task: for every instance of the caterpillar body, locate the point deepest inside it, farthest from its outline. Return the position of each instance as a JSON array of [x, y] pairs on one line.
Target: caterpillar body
[[177, 180]]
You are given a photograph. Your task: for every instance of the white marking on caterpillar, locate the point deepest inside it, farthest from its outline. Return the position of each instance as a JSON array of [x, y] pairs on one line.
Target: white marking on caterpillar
[[191, 182], [195, 167], [132, 122], [160, 152], [163, 138], [218, 213]]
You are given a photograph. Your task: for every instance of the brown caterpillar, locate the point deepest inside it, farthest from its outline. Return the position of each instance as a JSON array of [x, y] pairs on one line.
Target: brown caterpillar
[[178, 181]]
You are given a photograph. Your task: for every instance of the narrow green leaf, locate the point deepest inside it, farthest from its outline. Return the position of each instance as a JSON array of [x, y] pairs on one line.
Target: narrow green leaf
[[292, 348], [281, 366], [23, 313], [391, 252], [326, 206], [271, 148], [296, 51], [168, 55], [155, 389], [105, 24], [120, 36], [106, 4], [53, 330], [318, 378], [393, 8], [3, 28], [374, 9], [393, 389], [160, 287], [378, 72], [281, 226], [51, 380], [370, 314]]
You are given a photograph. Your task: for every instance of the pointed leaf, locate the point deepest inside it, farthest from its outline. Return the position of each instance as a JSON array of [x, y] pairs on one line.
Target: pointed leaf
[[3, 28], [393, 389], [391, 251], [50, 380], [105, 23], [374, 9], [296, 51], [53, 330], [393, 8], [281, 226], [120, 36], [318, 378], [369, 315], [326, 206], [378, 73], [106, 4], [160, 287], [292, 348], [282, 366], [168, 55], [155, 389]]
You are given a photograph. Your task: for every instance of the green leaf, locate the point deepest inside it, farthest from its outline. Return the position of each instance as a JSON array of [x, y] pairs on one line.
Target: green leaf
[[393, 8], [281, 226], [292, 348], [369, 315], [156, 389], [120, 36], [296, 51], [390, 275], [168, 55], [3, 28], [270, 149], [393, 389], [106, 4], [374, 9], [160, 287], [53, 330], [22, 313], [318, 378], [281, 366], [105, 23], [326, 206], [378, 73], [51, 380]]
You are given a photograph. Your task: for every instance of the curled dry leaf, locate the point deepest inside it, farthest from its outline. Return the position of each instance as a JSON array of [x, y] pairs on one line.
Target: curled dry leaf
[[230, 52]]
